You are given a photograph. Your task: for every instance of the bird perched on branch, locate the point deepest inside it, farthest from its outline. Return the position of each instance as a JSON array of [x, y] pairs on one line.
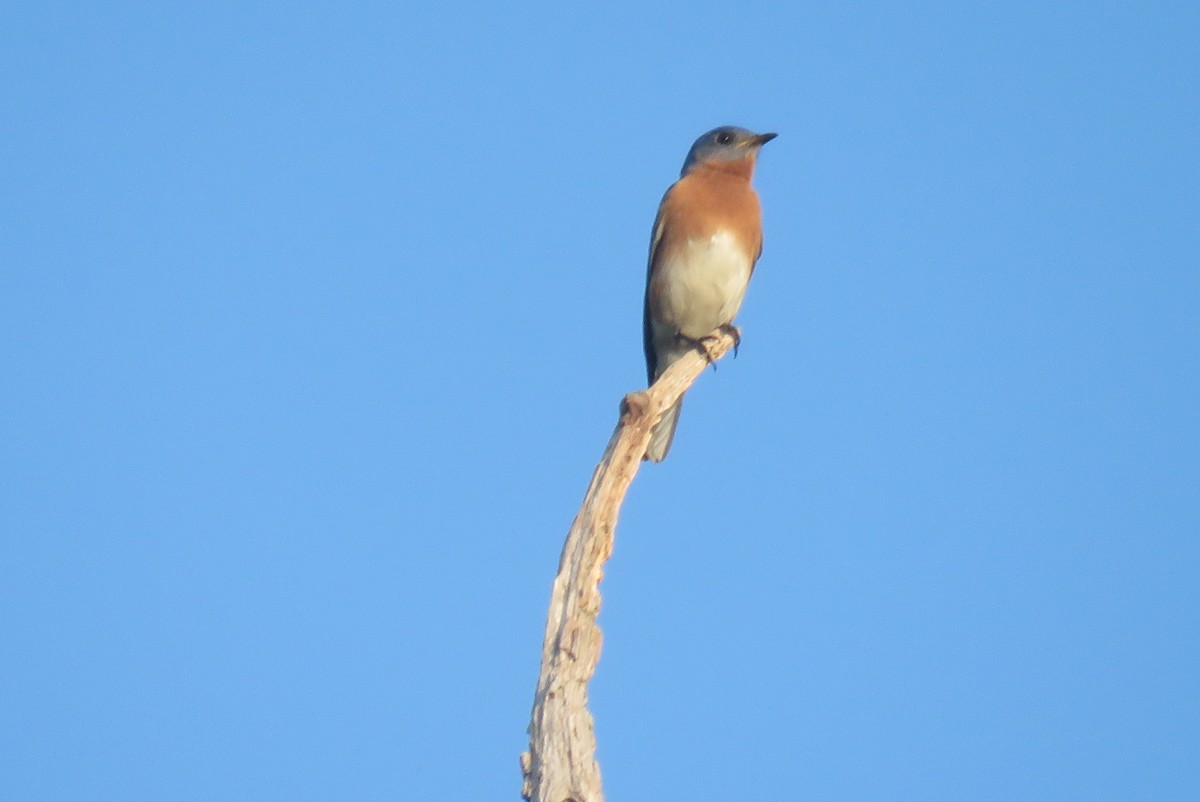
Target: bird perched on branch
[[706, 239]]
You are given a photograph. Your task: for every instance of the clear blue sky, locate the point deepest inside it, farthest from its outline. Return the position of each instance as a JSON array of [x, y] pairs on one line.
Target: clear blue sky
[[315, 319]]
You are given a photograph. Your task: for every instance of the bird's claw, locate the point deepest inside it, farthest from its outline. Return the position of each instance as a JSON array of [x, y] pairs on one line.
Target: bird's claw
[[734, 332], [707, 344]]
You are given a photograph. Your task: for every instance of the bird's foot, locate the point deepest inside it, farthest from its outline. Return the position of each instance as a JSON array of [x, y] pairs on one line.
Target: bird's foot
[[707, 347], [734, 332], [708, 343]]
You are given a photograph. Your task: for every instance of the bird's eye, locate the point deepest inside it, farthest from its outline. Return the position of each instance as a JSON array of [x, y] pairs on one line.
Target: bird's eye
[[724, 138]]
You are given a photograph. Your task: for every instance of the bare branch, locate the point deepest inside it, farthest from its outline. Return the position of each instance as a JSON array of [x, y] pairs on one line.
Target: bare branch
[[560, 765]]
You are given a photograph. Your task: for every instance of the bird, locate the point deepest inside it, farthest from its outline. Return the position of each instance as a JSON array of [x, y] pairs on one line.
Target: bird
[[706, 239]]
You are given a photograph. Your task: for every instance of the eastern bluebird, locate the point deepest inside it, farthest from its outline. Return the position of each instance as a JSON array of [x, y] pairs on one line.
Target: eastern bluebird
[[707, 237]]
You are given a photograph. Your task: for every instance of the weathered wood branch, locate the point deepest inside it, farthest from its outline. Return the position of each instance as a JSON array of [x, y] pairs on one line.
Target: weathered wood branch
[[560, 765]]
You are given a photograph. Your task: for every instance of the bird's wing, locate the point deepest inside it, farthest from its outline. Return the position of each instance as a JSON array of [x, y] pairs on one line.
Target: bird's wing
[[647, 332]]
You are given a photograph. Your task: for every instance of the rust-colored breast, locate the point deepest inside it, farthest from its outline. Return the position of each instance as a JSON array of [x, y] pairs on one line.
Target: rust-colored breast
[[706, 201]]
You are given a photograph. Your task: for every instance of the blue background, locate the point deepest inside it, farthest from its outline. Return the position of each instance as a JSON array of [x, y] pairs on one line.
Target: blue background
[[315, 319]]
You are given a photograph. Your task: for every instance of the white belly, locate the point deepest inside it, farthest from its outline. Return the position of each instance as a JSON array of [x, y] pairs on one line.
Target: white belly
[[703, 286]]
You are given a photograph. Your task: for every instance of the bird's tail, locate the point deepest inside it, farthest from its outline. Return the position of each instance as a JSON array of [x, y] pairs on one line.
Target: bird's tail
[[663, 433]]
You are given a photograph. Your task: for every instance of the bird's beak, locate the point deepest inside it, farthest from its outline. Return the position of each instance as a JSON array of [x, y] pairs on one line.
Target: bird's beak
[[763, 139]]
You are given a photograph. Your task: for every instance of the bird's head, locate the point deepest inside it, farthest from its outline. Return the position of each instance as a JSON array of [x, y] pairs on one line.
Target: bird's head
[[725, 146]]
